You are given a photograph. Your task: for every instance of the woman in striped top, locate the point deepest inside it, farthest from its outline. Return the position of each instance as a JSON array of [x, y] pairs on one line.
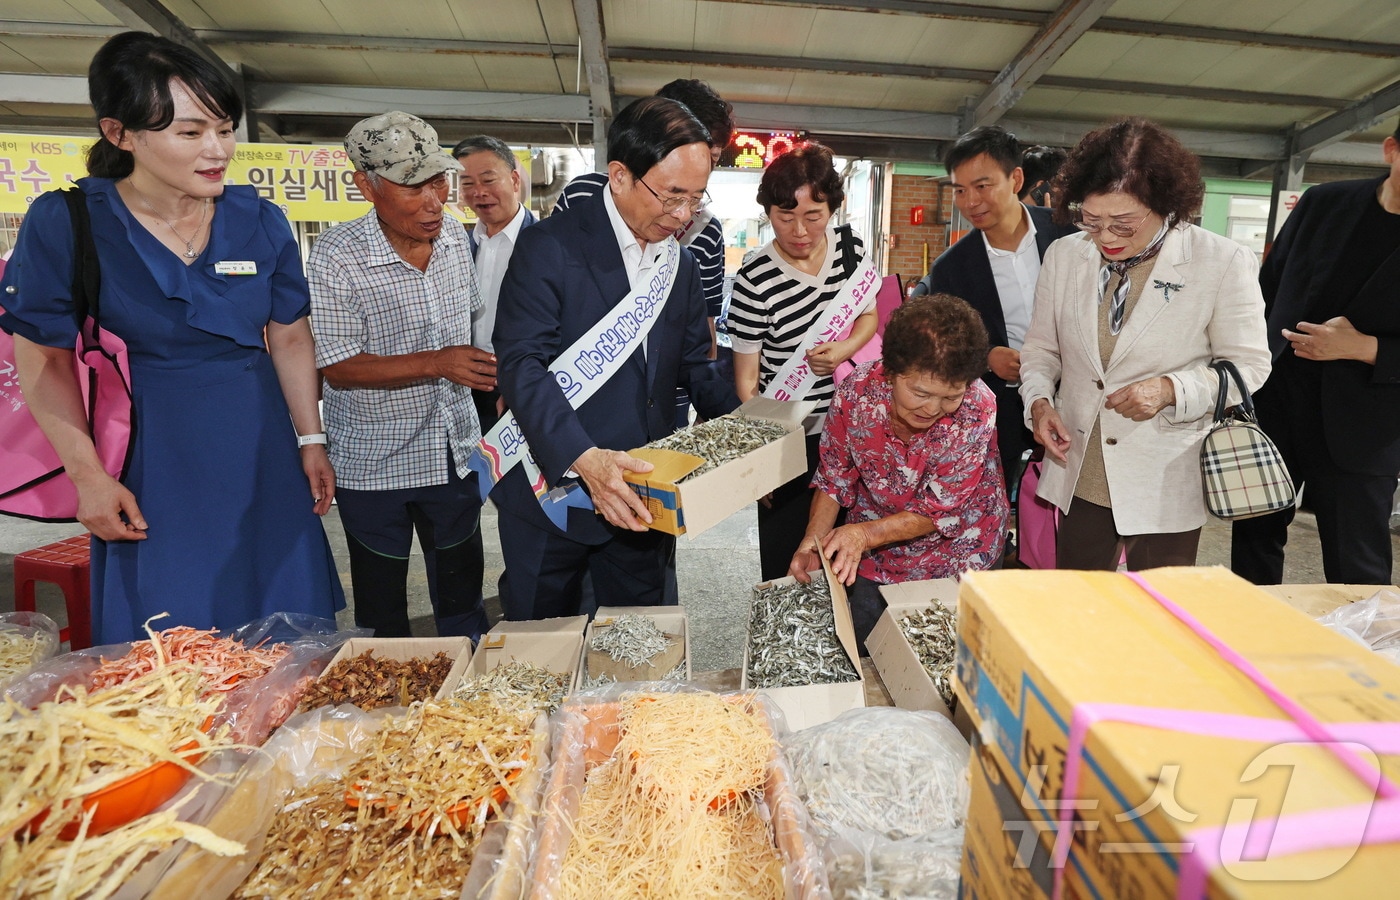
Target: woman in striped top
[[779, 295]]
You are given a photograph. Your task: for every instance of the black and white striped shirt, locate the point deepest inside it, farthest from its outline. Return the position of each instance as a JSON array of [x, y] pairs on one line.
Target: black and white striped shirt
[[773, 305], [707, 246]]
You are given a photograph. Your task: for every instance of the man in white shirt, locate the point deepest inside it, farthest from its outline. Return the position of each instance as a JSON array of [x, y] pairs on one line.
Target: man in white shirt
[[994, 268], [490, 187], [570, 273]]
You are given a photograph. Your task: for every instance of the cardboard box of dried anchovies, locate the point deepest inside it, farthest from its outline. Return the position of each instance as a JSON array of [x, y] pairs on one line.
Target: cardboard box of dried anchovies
[[603, 660], [811, 629], [682, 500], [910, 684], [552, 644]]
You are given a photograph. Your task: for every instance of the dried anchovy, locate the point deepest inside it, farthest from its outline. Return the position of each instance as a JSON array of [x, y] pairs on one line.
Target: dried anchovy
[[792, 638], [721, 440], [933, 633], [517, 685], [631, 639], [370, 682]]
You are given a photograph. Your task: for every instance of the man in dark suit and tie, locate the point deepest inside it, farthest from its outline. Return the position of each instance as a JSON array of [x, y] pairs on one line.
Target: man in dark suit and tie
[[994, 268], [1332, 401], [569, 273]]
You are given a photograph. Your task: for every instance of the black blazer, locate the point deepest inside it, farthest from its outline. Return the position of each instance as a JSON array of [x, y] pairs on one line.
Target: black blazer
[[566, 273], [1360, 402], [964, 270]]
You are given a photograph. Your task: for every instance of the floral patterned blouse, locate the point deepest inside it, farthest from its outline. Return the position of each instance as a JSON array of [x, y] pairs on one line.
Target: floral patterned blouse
[[950, 473]]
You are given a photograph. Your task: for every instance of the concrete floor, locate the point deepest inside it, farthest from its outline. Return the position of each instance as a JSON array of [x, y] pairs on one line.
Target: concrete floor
[[715, 572]]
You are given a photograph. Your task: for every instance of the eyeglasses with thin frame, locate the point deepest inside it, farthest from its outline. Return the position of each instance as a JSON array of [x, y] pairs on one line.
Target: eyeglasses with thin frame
[[670, 205], [1119, 228]]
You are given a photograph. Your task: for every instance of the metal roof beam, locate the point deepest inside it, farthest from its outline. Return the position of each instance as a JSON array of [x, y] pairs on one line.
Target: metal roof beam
[[151, 15], [593, 53], [25, 88], [326, 41], [1246, 38], [1041, 52], [940, 73], [935, 10], [335, 99], [1364, 113]]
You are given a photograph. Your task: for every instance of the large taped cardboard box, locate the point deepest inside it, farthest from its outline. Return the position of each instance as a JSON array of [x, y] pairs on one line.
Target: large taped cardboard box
[[812, 704], [552, 644], [404, 649], [673, 622], [900, 668], [692, 506], [1035, 647]]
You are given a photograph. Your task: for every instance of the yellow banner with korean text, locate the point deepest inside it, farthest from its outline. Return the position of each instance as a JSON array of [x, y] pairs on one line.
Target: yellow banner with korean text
[[310, 182]]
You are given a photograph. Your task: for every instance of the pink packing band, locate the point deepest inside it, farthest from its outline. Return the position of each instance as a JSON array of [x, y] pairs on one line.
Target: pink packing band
[[1316, 830]]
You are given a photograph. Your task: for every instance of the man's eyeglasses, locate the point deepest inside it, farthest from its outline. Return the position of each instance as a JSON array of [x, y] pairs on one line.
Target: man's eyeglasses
[[1122, 229], [670, 205]]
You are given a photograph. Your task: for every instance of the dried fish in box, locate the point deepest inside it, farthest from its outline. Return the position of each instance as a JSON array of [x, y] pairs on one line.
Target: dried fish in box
[[517, 685], [370, 681], [792, 638], [721, 440], [933, 633]]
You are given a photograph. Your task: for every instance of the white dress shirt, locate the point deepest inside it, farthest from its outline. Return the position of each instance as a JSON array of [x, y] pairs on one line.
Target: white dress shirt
[[492, 258], [1015, 273]]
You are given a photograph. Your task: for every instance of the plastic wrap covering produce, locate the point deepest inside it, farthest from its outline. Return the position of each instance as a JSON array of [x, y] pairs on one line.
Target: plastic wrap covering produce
[[370, 682], [85, 779], [1374, 622], [517, 685], [933, 633], [887, 791], [792, 637], [721, 440], [26, 640], [258, 671], [392, 803], [670, 793]]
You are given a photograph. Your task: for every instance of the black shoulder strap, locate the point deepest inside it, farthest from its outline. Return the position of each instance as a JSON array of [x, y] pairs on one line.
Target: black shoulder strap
[[1228, 372], [87, 280]]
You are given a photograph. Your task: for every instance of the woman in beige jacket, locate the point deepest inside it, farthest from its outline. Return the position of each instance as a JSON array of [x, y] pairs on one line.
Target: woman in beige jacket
[[1115, 371]]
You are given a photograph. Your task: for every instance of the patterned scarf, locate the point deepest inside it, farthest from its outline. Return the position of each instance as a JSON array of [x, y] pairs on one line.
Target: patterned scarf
[[1125, 283]]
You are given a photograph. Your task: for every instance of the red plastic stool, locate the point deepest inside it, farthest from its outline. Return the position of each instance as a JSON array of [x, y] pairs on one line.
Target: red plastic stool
[[66, 564]]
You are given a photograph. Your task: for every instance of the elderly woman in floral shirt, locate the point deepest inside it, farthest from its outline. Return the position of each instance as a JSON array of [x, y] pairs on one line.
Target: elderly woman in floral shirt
[[910, 453]]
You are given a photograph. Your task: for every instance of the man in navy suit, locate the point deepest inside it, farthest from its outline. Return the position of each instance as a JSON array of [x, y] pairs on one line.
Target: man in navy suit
[[1332, 401], [994, 268], [568, 272]]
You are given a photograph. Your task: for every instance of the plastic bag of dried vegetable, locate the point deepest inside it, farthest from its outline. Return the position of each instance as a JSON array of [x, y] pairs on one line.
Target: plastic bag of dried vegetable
[[26, 640], [258, 694], [890, 824]]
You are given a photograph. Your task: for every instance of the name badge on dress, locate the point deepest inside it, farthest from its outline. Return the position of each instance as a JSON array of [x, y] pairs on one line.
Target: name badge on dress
[[236, 267]]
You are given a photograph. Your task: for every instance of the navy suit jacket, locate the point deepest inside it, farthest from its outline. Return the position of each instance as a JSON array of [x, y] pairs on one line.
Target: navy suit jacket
[[964, 271], [1360, 402], [566, 273]]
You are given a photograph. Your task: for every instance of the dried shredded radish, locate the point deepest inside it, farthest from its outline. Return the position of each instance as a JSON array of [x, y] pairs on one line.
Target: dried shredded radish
[[76, 745], [672, 812]]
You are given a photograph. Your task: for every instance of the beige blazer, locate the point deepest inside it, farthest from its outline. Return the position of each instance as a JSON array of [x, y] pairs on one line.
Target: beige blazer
[[1213, 310]]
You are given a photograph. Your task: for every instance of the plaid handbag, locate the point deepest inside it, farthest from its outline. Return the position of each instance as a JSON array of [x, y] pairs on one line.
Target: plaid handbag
[[1242, 471]]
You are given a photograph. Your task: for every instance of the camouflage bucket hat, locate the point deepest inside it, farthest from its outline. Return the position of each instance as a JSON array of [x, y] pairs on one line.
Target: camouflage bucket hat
[[399, 147]]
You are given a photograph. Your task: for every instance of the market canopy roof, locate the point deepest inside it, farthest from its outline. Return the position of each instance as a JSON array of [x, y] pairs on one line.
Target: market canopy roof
[[1247, 84]]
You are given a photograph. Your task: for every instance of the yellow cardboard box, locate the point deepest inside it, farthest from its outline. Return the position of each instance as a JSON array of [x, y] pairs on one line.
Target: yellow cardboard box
[[704, 501], [1036, 646]]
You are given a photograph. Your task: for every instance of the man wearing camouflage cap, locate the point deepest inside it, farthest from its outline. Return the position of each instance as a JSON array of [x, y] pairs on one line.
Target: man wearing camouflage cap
[[392, 295]]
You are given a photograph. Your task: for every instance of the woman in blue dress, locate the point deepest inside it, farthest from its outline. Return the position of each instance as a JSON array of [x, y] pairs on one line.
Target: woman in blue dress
[[217, 520]]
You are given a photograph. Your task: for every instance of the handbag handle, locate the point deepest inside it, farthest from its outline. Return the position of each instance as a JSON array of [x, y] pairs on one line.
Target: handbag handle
[[87, 278], [1224, 367]]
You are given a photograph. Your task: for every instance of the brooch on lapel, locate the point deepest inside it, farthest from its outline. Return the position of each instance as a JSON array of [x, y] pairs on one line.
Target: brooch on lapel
[[1166, 287]]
